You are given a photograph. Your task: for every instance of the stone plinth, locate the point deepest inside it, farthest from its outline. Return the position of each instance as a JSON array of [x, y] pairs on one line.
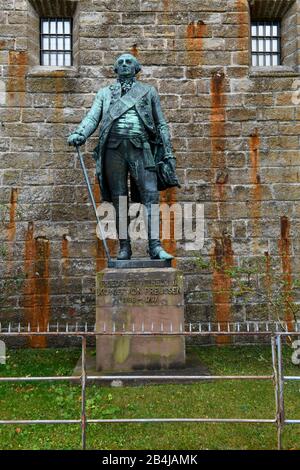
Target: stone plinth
[[140, 300]]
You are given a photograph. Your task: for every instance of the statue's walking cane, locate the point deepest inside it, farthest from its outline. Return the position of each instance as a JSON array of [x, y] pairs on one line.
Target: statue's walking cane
[[86, 177]]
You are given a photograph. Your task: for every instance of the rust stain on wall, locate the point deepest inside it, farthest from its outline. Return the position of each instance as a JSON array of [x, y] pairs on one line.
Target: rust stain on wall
[[268, 271], [242, 7], [65, 251], [16, 84], [256, 192], [96, 190], [167, 9], [11, 228], [220, 184], [42, 288], [268, 278], [285, 254], [169, 197], [100, 256], [217, 135], [29, 283], [195, 32], [101, 261], [223, 253], [37, 287], [221, 285], [254, 157], [134, 50]]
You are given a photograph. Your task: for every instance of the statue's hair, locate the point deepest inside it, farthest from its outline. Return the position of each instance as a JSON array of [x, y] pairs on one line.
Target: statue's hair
[[138, 66]]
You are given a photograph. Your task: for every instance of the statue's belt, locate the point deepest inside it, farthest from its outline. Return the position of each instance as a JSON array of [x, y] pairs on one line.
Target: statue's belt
[[140, 141]]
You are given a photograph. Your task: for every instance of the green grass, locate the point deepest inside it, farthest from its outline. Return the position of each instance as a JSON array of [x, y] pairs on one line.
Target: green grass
[[243, 399]]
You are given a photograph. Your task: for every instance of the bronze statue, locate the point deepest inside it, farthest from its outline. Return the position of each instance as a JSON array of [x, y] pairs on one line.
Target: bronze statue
[[134, 138]]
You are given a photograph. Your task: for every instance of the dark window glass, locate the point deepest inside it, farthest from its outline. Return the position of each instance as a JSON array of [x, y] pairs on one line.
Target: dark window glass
[[265, 43], [56, 41]]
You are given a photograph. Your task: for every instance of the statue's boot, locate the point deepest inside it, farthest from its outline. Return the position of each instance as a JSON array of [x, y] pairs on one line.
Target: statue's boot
[[124, 250], [156, 251], [124, 243]]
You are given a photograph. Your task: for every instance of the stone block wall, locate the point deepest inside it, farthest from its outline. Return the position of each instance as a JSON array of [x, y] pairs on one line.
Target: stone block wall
[[235, 134]]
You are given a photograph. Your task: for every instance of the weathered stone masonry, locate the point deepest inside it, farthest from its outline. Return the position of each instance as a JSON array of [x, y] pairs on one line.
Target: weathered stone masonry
[[235, 133]]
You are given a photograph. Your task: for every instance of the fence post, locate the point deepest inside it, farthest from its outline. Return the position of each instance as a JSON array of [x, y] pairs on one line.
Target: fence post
[[276, 388], [281, 417], [83, 390]]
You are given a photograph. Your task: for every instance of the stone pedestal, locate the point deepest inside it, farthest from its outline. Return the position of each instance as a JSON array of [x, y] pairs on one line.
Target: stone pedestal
[[140, 300]]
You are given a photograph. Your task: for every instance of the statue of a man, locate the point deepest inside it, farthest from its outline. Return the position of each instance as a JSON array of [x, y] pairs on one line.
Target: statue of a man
[[134, 139]]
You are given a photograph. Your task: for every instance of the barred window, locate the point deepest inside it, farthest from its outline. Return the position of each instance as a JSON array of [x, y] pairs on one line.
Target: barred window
[[56, 41], [265, 41]]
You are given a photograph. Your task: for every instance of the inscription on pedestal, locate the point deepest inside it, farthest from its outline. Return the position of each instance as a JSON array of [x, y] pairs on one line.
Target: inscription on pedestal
[[140, 300], [132, 292]]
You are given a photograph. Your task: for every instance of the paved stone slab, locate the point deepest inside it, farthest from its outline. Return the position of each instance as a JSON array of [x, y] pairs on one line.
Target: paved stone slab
[[193, 366], [139, 263]]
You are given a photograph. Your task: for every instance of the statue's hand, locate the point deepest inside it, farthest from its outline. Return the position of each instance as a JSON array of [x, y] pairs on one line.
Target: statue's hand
[[170, 169], [76, 139], [172, 161]]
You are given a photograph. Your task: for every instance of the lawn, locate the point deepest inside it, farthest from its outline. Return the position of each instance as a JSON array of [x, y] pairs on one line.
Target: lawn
[[224, 399]]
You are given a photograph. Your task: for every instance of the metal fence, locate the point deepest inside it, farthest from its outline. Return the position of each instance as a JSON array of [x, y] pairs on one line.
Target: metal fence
[[276, 332]]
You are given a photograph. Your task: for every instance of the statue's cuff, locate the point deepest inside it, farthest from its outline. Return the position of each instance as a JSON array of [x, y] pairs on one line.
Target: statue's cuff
[[169, 155], [79, 132]]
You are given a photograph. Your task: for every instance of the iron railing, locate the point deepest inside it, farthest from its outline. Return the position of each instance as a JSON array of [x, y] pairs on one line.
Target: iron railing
[[273, 331]]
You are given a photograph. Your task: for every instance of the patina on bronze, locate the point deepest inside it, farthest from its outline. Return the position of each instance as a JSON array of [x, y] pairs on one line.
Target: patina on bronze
[[134, 139]]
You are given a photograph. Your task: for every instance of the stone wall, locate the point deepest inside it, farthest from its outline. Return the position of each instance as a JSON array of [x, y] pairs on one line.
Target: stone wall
[[235, 134]]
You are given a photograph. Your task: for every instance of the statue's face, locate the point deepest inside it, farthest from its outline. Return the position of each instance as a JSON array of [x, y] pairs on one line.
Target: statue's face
[[125, 66]]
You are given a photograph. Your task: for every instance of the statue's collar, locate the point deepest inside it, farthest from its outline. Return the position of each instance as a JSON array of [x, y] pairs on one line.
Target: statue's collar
[[129, 81], [117, 85], [136, 88]]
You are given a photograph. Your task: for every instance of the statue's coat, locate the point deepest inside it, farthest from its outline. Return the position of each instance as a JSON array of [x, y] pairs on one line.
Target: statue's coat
[[108, 106]]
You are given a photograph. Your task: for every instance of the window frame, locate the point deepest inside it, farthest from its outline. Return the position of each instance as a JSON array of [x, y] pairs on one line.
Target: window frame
[[256, 37], [56, 51]]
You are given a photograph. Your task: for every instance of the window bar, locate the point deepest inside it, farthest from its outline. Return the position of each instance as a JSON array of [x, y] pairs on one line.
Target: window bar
[[56, 42], [264, 44], [279, 43], [271, 44], [257, 43], [64, 48], [71, 43], [49, 43], [41, 43]]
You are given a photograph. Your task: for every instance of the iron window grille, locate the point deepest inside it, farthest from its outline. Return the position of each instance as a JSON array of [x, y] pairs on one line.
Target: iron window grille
[[265, 43], [56, 41]]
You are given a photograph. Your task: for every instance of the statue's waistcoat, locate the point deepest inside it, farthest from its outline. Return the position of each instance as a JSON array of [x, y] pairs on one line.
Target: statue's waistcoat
[[118, 105]]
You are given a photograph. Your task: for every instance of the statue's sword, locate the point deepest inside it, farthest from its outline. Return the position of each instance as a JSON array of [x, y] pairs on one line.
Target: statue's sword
[[86, 177]]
